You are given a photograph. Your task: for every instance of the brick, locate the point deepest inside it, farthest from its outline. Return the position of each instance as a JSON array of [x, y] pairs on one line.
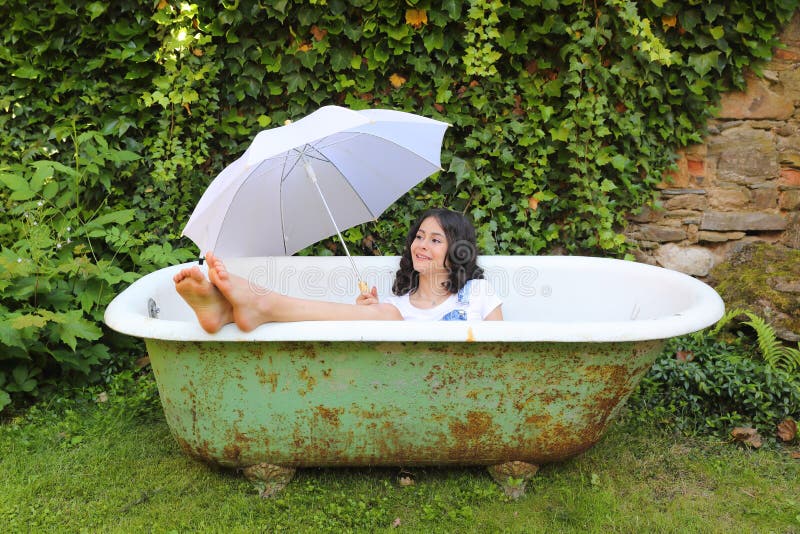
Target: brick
[[790, 177]]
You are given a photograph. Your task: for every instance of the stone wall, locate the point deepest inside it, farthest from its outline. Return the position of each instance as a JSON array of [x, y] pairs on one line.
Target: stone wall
[[742, 184]]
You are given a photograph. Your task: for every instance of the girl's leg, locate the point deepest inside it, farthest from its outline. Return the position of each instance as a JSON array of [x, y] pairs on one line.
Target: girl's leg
[[252, 309]]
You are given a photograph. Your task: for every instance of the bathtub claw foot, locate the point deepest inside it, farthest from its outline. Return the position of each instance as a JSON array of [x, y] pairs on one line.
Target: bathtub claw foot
[[513, 476], [269, 479]]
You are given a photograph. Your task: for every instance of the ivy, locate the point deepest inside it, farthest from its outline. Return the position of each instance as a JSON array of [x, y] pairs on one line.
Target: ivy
[[565, 115]]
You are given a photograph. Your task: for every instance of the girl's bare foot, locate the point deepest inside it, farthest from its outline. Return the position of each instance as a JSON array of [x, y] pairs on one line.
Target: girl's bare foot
[[250, 308], [212, 309]]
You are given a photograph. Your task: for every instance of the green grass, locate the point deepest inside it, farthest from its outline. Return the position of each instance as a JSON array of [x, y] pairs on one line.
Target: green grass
[[81, 466]]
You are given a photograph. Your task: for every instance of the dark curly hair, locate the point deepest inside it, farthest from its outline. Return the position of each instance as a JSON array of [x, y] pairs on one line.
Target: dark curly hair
[[462, 253]]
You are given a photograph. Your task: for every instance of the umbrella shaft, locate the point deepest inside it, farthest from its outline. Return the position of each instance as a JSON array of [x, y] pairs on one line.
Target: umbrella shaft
[[313, 177]]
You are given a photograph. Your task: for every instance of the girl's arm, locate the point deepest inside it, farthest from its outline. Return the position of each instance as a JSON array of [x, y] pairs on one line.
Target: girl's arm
[[495, 315]]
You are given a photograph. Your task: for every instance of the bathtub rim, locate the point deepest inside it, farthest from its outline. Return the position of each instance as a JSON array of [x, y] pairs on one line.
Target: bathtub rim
[[707, 308]]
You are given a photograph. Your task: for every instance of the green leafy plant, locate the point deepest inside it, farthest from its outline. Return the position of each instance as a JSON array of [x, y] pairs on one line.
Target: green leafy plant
[[704, 384]]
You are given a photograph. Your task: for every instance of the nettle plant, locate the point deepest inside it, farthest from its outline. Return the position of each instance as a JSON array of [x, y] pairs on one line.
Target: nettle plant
[[565, 115]]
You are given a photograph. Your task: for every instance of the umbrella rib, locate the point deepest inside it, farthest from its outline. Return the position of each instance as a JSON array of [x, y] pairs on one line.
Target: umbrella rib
[[353, 189], [280, 197]]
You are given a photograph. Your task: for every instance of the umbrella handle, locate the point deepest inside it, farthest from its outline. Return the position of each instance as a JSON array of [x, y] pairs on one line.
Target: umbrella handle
[[362, 286]]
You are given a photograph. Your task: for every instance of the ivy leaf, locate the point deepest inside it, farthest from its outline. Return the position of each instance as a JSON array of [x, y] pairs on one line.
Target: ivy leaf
[[607, 185], [619, 162], [459, 168], [703, 63], [561, 133], [745, 25], [27, 72], [96, 9], [453, 8], [295, 81], [433, 40], [340, 59]]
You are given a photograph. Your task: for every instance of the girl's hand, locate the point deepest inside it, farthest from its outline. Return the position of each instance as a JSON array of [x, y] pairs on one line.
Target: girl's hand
[[365, 299]]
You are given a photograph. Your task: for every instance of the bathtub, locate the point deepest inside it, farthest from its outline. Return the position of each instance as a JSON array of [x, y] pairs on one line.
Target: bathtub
[[541, 386]]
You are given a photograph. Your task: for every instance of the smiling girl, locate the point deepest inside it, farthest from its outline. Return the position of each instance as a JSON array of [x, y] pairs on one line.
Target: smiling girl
[[439, 278]]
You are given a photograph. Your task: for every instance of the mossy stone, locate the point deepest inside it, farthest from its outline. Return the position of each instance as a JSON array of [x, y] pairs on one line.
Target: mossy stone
[[764, 279]]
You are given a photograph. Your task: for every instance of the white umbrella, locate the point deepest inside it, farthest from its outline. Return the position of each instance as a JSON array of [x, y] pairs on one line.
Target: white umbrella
[[303, 182]]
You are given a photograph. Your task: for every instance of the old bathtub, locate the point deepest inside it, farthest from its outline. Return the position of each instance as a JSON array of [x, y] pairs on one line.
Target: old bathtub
[[541, 386]]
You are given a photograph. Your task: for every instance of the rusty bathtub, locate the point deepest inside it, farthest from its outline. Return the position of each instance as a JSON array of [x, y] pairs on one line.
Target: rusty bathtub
[[541, 386]]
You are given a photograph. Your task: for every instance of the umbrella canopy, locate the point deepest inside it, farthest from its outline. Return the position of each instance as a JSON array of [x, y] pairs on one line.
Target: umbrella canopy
[[336, 163]]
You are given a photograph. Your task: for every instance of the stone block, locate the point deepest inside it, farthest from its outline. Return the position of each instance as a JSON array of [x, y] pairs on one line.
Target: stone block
[[747, 156], [704, 236], [760, 100], [687, 202], [789, 79], [790, 200], [765, 198], [788, 146], [785, 285], [686, 191], [681, 217], [646, 214], [662, 234], [692, 233], [742, 221], [692, 260], [728, 199], [791, 236]]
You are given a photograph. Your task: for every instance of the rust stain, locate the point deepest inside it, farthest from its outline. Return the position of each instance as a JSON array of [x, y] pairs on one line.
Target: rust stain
[[470, 335], [331, 415], [538, 419], [262, 376], [478, 425], [310, 381], [231, 452], [265, 378]]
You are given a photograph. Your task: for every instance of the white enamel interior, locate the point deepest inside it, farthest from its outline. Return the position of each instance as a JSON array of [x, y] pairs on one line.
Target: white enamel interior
[[545, 298]]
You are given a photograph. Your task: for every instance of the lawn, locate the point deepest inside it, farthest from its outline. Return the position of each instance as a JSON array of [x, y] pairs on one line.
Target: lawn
[[79, 465]]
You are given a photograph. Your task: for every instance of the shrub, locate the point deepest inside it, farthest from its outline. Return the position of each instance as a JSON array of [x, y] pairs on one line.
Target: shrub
[[705, 384]]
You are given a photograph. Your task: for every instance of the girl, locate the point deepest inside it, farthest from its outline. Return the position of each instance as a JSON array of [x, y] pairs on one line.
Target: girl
[[438, 279]]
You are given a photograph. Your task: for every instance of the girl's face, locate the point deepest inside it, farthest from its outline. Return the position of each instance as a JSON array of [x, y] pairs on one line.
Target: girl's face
[[429, 248]]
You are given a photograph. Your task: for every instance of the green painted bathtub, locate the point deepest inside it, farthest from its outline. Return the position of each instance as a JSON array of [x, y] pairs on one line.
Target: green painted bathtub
[[540, 387]]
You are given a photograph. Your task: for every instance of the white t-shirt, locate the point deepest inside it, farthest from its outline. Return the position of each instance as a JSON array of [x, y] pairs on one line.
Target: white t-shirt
[[474, 302]]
